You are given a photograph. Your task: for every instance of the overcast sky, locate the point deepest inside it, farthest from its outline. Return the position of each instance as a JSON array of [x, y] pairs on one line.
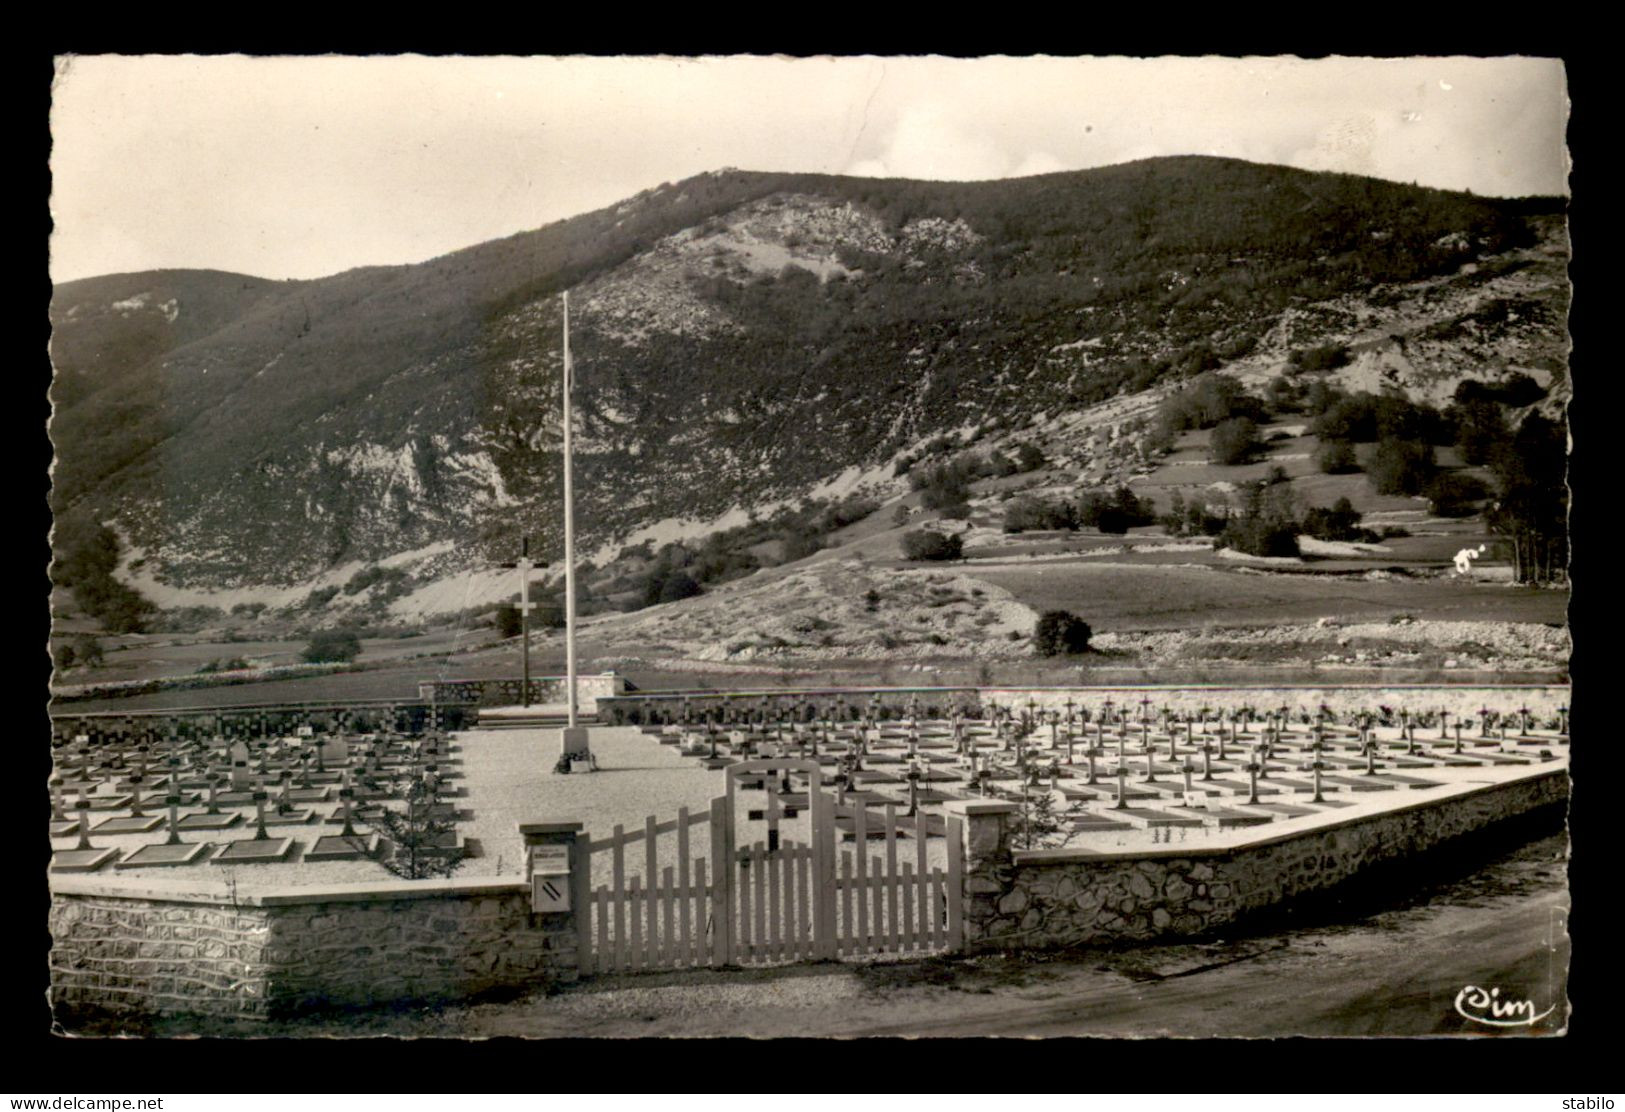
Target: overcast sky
[[302, 167]]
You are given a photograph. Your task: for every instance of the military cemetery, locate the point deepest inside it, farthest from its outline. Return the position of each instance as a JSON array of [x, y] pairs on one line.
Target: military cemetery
[[861, 595]]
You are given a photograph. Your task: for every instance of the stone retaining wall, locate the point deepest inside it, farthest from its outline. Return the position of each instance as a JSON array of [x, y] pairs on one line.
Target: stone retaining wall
[[1044, 898], [128, 948], [507, 692]]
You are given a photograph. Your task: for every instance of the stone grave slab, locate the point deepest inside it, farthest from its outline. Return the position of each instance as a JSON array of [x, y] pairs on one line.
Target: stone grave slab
[[253, 852], [935, 826], [186, 853], [126, 825], [336, 847], [110, 802], [1148, 818], [1226, 819], [202, 820], [295, 817], [1357, 784], [1090, 824], [309, 795], [1288, 783], [1239, 787], [65, 829], [234, 799], [1408, 781], [1285, 810], [936, 796], [160, 799], [81, 860]]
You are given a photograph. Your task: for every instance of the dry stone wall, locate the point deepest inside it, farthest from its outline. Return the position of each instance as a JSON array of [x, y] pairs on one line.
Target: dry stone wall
[[508, 692], [146, 956], [354, 945], [1044, 898]]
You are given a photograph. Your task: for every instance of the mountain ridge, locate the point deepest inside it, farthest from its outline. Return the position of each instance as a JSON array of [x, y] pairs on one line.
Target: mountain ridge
[[743, 335]]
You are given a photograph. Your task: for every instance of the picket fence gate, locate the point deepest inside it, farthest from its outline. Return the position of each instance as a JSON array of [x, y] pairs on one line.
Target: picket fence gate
[[773, 899]]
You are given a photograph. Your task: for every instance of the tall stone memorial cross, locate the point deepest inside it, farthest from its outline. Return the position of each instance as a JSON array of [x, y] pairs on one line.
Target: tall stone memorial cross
[[525, 566]]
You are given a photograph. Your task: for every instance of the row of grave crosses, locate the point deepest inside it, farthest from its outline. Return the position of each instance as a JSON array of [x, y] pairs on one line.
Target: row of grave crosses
[[200, 763], [764, 712], [128, 731]]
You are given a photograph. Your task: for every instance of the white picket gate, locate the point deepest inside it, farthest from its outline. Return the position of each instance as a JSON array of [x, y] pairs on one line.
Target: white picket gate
[[660, 901]]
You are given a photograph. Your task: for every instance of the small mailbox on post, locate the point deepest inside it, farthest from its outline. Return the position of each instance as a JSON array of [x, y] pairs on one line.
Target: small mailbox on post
[[549, 879]]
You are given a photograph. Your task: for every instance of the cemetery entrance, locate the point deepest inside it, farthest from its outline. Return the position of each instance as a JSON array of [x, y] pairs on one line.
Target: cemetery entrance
[[776, 870]]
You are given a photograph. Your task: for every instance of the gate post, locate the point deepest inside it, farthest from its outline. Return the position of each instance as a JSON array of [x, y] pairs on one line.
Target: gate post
[[986, 872], [567, 834]]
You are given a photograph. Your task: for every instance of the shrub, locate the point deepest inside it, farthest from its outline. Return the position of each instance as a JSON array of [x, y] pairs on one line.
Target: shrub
[[1061, 633], [1028, 512], [1454, 494], [1400, 466], [1326, 357], [1116, 511], [679, 585], [927, 544], [320, 597], [330, 645], [1339, 523], [1235, 441], [509, 622], [1336, 457]]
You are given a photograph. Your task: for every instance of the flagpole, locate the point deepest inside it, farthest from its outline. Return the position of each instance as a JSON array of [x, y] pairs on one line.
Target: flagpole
[[569, 530]]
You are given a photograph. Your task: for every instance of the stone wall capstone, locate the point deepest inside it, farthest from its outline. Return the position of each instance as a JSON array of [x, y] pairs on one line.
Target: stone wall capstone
[[1044, 898]]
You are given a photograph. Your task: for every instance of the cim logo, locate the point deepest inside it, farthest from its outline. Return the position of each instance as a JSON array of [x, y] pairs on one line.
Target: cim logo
[[1488, 1007]]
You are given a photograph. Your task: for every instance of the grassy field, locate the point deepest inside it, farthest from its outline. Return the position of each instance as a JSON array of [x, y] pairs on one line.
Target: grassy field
[[1152, 596]]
